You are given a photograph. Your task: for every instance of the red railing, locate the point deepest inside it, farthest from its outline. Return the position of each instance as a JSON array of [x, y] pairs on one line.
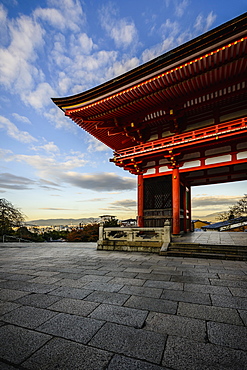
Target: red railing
[[222, 129]]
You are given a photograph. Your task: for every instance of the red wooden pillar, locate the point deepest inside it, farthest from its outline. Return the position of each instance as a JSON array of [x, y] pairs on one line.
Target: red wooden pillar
[[140, 200], [175, 201]]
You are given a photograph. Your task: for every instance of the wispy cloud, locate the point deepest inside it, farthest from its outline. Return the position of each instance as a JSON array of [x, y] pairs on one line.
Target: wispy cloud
[[121, 30], [104, 181], [203, 24], [12, 131], [10, 181], [181, 7], [96, 145], [20, 118], [124, 204], [214, 202]]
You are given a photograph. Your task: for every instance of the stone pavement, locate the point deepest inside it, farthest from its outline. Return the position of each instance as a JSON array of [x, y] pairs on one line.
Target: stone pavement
[[69, 306], [214, 237]]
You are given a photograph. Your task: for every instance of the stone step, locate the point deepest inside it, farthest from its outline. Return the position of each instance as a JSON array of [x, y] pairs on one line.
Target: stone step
[[232, 252]]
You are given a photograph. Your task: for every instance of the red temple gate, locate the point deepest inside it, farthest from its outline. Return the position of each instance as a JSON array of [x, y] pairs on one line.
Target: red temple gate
[[177, 121]]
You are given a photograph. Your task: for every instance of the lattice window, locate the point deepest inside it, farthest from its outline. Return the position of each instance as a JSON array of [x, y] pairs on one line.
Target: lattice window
[[158, 193]]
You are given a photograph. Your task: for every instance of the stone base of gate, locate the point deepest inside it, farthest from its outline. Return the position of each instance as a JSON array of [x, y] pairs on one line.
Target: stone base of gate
[[117, 245]]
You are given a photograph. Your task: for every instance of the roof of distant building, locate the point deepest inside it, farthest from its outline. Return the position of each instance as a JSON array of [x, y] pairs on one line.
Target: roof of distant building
[[229, 224]]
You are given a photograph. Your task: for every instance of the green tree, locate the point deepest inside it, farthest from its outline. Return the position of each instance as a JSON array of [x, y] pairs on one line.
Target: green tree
[[10, 217]]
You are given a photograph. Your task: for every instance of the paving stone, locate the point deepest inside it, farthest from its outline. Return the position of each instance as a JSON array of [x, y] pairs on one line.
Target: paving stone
[[192, 297], [128, 275], [45, 273], [206, 289], [176, 325], [108, 297], [105, 287], [154, 276], [127, 281], [152, 304], [67, 275], [67, 292], [77, 328], [70, 283], [65, 355], [74, 306], [213, 313], [240, 292], [11, 294], [125, 363], [20, 277], [96, 271], [44, 280], [4, 366], [243, 315], [120, 315], [38, 300], [226, 301], [190, 279], [27, 286], [233, 276], [88, 278], [141, 291], [138, 270], [29, 317], [229, 283], [232, 336], [7, 307], [163, 284], [183, 354], [129, 341], [17, 344]]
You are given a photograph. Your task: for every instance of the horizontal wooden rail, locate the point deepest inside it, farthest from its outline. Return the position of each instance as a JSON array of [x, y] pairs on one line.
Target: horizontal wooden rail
[[225, 128]]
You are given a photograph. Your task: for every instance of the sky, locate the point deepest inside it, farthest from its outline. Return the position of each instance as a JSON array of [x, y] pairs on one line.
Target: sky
[[49, 166]]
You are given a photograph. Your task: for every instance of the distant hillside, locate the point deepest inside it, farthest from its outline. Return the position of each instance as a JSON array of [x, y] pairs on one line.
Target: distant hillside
[[212, 217], [62, 221]]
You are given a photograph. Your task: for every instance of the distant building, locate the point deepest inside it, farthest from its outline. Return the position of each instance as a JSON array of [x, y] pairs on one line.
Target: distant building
[[129, 222], [236, 224], [197, 224]]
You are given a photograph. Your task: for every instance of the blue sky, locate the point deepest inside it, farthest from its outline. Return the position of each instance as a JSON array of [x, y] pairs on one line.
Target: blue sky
[[49, 167]]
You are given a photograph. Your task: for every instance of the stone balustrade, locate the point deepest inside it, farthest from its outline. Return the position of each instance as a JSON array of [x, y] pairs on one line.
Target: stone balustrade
[[135, 239]]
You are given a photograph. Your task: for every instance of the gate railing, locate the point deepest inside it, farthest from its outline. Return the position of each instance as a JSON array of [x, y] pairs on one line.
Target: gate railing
[[133, 235]]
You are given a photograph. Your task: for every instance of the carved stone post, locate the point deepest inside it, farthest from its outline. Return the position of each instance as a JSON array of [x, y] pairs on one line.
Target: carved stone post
[[166, 236], [101, 235]]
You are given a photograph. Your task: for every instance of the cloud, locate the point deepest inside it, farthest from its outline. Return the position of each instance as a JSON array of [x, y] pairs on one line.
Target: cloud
[[17, 70], [49, 185], [122, 31], [99, 181], [21, 118], [49, 148], [12, 131], [169, 32], [124, 203], [66, 14], [9, 181], [214, 201], [203, 24], [40, 97], [3, 22], [50, 166], [180, 8], [96, 145]]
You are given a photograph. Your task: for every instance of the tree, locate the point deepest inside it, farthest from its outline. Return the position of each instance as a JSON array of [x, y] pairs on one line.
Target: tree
[[238, 210], [10, 216], [89, 233]]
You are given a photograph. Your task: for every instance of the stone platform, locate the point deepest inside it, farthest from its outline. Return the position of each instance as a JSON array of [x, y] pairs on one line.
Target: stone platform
[[70, 306]]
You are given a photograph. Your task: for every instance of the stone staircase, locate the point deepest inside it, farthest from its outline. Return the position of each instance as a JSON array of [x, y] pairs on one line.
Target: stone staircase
[[218, 251]]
